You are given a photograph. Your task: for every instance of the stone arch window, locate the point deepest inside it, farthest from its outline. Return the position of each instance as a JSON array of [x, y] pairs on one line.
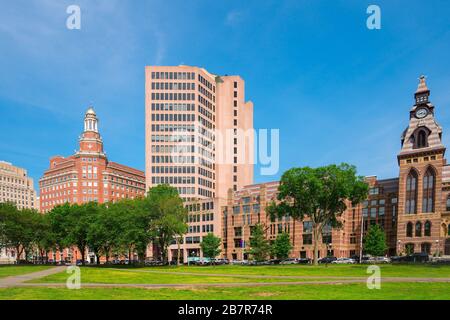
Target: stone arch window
[[418, 229], [409, 229], [411, 193], [427, 229], [429, 182], [420, 138], [447, 207]]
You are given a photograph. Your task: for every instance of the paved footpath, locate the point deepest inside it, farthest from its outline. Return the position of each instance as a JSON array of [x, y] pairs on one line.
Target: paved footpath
[[20, 279]]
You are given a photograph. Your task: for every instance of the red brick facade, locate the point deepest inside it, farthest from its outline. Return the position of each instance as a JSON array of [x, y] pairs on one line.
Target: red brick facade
[[88, 175]]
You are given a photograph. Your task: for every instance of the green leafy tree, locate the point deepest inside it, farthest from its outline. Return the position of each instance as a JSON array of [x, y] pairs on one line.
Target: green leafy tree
[[18, 229], [70, 225], [282, 246], [135, 226], [259, 245], [375, 241], [319, 195], [211, 246], [168, 216]]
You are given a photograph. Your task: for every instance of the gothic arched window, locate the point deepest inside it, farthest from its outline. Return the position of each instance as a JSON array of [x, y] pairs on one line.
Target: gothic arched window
[[427, 229], [418, 229], [411, 193], [421, 139], [409, 229], [428, 191]]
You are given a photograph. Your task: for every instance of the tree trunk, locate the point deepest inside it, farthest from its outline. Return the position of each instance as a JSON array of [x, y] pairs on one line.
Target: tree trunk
[[316, 244], [179, 251], [82, 249], [98, 258]]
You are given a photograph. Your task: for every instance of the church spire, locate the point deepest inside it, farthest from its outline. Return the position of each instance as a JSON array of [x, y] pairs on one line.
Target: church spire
[[422, 92]]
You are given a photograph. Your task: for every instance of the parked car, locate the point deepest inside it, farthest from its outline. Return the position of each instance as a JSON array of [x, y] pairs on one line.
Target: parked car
[[415, 257], [274, 261], [304, 261], [327, 260], [344, 261], [289, 261]]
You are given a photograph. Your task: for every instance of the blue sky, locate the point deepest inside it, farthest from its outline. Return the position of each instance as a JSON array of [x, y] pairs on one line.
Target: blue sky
[[337, 91]]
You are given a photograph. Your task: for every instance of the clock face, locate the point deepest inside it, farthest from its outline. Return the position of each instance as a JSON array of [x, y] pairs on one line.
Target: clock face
[[421, 113]]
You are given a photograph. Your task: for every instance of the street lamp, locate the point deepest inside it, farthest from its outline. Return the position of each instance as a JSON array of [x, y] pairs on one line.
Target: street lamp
[[399, 247]]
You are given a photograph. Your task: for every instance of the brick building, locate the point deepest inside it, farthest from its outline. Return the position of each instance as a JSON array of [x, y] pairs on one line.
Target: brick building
[[413, 209], [88, 175]]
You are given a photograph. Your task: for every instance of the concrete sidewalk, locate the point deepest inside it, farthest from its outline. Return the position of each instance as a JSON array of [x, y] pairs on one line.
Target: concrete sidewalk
[[20, 279]]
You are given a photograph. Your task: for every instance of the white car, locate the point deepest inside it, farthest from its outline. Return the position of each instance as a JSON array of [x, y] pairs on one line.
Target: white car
[[344, 261]]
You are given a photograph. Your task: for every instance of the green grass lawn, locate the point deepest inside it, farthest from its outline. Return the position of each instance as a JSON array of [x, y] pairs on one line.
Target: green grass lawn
[[146, 276], [388, 291], [13, 270], [387, 270]]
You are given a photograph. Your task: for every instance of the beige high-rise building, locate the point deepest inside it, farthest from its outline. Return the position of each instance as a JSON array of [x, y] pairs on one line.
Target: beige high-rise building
[[199, 131], [199, 139], [17, 187]]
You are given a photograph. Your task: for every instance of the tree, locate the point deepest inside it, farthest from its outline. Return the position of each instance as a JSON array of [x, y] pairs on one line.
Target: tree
[[19, 229], [135, 226], [319, 195], [375, 241], [282, 246], [259, 246], [211, 246], [168, 216], [70, 225]]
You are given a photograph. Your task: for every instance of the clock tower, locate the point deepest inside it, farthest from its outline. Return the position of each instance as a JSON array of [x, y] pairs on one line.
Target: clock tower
[[421, 161]]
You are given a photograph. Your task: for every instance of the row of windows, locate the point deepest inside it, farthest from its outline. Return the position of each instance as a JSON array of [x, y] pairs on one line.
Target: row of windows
[[206, 83], [206, 103], [174, 75], [173, 159], [173, 149], [418, 229], [202, 206], [16, 181], [173, 85], [173, 96], [428, 192], [173, 138], [173, 107], [173, 117], [174, 169], [173, 127], [173, 180]]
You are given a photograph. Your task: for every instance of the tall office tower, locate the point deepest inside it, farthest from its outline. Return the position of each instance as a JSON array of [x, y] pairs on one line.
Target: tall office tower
[[199, 131], [16, 187]]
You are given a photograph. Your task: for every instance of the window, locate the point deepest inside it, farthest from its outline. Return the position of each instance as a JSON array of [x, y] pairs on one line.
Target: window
[[428, 191], [448, 204], [427, 229], [409, 229], [421, 139], [411, 193], [426, 247], [418, 229], [307, 238]]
